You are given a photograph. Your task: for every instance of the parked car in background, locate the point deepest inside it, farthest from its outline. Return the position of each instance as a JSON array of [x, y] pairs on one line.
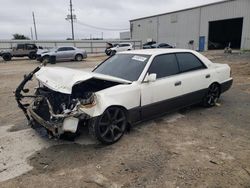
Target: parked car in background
[[148, 45], [118, 48], [21, 50], [161, 45], [125, 89], [63, 53]]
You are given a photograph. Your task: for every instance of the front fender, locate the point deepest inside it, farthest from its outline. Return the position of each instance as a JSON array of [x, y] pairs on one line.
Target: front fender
[[126, 96]]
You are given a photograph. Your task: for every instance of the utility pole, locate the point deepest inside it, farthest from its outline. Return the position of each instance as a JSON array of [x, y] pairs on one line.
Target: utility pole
[[71, 18], [34, 21], [31, 33]]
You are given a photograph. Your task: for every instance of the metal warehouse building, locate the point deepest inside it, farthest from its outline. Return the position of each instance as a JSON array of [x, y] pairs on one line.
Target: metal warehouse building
[[211, 26]]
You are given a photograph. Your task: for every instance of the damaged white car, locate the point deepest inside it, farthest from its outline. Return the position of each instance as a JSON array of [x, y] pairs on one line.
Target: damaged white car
[[125, 89]]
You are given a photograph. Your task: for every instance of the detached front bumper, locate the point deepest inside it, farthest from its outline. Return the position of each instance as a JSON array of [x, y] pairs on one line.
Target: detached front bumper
[[55, 128]]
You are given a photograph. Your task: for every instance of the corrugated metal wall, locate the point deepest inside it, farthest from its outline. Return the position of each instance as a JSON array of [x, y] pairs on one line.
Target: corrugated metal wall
[[180, 27], [228, 10]]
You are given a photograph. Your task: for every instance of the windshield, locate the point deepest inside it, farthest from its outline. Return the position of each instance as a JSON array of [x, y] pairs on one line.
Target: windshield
[[53, 49], [125, 66]]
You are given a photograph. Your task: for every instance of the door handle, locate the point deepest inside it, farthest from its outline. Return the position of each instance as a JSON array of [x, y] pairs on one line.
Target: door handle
[[177, 83], [208, 76]]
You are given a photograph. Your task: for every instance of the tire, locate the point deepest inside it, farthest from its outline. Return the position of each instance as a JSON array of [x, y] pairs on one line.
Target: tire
[[110, 126], [78, 57], [108, 52], [6, 57], [32, 55], [45, 59], [113, 52], [212, 96]]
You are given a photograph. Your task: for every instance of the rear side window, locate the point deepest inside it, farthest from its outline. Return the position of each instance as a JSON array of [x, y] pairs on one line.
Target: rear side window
[[164, 65], [69, 49], [20, 46], [189, 62], [61, 49], [124, 45]]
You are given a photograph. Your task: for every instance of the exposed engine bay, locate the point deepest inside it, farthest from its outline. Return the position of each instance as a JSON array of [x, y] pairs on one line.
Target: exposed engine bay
[[56, 111]]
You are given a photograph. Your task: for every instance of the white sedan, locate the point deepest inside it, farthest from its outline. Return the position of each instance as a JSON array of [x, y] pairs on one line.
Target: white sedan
[[125, 89]]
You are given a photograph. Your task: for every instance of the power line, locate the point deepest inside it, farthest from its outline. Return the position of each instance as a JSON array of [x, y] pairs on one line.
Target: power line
[[101, 28]]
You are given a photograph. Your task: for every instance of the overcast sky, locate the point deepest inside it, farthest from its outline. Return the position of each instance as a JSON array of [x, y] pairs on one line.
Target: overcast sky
[[16, 15]]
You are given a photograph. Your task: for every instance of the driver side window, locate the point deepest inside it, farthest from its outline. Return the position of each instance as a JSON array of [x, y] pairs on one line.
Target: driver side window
[[164, 65]]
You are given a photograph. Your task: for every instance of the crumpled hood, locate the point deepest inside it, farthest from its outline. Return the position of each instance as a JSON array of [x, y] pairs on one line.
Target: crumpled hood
[[62, 79]]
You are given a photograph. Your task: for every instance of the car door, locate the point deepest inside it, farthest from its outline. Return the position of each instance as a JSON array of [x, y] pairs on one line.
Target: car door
[[70, 53], [195, 78], [159, 96], [20, 50], [61, 53], [64, 53], [174, 87]]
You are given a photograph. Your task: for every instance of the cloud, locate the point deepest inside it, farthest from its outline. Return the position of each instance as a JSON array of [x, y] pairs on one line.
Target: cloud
[[16, 15]]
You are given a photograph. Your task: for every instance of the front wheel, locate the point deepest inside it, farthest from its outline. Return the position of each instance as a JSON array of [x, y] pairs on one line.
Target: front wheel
[[110, 126], [212, 95], [6, 57], [78, 57], [113, 52]]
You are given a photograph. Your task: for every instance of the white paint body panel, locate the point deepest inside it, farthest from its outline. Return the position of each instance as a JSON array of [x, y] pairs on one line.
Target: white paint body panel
[[131, 95]]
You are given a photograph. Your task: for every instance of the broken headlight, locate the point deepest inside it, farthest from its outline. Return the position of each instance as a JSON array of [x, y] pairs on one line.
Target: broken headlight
[[89, 101]]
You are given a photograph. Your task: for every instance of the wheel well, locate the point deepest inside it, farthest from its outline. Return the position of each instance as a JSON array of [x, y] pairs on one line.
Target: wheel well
[[46, 56], [217, 83], [78, 54], [6, 54], [32, 52], [118, 106]]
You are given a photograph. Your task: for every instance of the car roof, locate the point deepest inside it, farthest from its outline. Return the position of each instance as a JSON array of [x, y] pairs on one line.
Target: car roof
[[124, 43], [65, 47], [155, 51]]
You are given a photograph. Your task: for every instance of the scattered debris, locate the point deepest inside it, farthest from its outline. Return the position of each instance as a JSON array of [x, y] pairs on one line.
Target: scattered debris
[[45, 166], [102, 181], [214, 162], [98, 166], [3, 170]]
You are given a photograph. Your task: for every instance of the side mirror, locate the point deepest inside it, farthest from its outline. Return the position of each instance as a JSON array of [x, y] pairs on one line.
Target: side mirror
[[150, 77]]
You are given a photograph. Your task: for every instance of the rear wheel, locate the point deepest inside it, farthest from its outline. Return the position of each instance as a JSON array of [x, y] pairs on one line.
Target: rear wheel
[[212, 95], [78, 57], [110, 126], [32, 55], [6, 57]]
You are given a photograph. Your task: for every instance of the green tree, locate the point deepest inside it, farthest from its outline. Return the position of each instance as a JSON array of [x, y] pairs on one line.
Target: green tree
[[17, 36]]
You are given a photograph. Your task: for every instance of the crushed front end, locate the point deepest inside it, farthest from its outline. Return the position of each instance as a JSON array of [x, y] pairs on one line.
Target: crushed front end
[[57, 112]]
